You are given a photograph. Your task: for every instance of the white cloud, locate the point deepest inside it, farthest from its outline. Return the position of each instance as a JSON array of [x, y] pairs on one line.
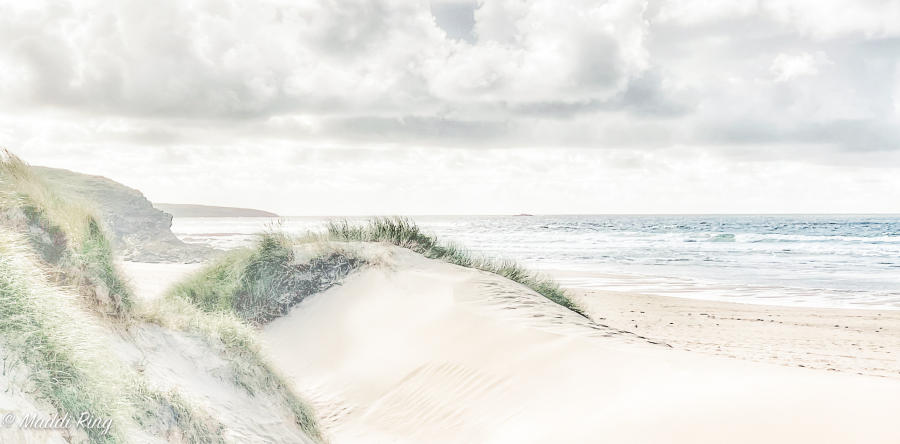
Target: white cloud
[[806, 83], [824, 19], [820, 19], [694, 12], [788, 66]]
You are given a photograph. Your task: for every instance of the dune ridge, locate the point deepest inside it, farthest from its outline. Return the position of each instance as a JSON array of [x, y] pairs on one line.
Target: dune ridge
[[418, 350]]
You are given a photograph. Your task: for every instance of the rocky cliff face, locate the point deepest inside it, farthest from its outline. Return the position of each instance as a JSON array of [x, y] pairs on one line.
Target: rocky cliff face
[[138, 231]]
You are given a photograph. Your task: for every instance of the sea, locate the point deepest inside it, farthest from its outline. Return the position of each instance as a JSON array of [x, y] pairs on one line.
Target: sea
[[841, 261]]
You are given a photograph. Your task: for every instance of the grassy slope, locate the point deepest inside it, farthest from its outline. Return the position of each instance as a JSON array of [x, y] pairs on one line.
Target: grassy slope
[[65, 233], [44, 235], [252, 286], [46, 329], [247, 287], [264, 282], [405, 233], [35, 322], [240, 348], [136, 229]]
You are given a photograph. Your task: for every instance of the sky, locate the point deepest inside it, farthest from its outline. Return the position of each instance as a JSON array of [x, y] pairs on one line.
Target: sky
[[326, 107]]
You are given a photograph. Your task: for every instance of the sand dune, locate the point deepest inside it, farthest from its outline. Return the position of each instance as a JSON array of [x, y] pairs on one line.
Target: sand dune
[[421, 351], [184, 363]]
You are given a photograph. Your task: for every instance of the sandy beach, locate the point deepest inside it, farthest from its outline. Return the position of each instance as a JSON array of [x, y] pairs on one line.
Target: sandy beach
[[151, 280], [865, 342]]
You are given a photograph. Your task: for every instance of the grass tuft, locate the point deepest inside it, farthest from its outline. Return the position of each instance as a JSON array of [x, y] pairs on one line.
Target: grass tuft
[[193, 425], [405, 233], [262, 283]]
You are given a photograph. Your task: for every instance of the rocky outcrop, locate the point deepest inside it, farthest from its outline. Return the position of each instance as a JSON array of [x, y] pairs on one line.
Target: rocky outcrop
[[138, 231]]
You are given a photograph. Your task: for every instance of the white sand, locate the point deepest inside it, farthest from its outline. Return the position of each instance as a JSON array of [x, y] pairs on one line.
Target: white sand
[[842, 340], [177, 361], [422, 351], [151, 280]]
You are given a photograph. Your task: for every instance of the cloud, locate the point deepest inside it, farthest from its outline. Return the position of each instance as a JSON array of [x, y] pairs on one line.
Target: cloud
[[233, 60], [800, 81], [823, 19], [818, 19], [786, 66], [325, 70], [542, 51], [215, 58], [456, 18]]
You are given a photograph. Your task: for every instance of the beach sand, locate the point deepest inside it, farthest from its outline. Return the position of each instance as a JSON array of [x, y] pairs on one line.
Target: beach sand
[[424, 351], [151, 280], [839, 340]]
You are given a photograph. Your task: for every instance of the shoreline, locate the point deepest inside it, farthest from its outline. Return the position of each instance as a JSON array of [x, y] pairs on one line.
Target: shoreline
[[847, 340], [674, 286]]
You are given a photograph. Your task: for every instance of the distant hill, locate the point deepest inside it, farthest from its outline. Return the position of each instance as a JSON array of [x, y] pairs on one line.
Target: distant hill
[[138, 231], [189, 210]]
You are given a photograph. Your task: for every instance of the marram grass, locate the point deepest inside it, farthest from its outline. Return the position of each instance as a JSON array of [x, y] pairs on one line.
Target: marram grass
[[247, 287], [405, 233], [38, 327], [236, 339], [262, 283], [68, 364], [65, 233]]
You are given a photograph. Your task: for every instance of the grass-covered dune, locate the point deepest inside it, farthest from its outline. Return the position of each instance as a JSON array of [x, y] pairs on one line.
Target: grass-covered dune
[[65, 232], [261, 283], [66, 355], [225, 301], [405, 233], [36, 327], [70, 322], [228, 299]]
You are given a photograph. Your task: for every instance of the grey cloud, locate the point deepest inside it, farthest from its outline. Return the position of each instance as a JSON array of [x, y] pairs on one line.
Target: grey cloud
[[644, 96], [448, 73], [598, 61], [456, 18], [852, 135], [844, 135]]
